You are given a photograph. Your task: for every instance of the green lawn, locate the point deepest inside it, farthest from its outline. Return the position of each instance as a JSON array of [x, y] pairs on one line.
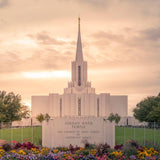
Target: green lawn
[[139, 134], [34, 134]]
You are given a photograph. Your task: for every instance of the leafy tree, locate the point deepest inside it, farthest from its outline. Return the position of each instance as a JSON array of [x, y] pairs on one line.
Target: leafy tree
[[40, 118], [47, 117], [148, 110], [114, 117], [11, 108], [111, 117], [117, 118], [25, 111], [154, 115]]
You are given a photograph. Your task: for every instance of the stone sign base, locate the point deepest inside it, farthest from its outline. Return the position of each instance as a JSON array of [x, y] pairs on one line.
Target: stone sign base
[[64, 131]]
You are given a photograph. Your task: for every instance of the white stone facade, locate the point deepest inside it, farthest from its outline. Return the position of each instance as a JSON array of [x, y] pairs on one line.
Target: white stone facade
[[79, 98], [79, 105]]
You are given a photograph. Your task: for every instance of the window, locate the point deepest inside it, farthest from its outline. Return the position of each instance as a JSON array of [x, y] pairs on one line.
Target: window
[[79, 106], [79, 75], [97, 107], [60, 107]]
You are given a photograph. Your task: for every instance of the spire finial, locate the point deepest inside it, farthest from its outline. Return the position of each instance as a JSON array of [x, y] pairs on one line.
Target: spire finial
[[79, 54], [79, 22]]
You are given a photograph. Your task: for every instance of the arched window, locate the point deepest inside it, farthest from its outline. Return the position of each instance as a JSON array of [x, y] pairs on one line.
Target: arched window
[[97, 107], [79, 106], [60, 103], [79, 75]]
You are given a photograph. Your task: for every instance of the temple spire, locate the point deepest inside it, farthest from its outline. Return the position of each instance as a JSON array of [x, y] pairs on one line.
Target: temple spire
[[79, 53], [79, 23]]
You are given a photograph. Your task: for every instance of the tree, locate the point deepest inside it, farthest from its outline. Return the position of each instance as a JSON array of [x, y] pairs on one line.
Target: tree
[[154, 115], [111, 117], [114, 117], [11, 108], [117, 118], [148, 110], [25, 111], [47, 117], [40, 118]]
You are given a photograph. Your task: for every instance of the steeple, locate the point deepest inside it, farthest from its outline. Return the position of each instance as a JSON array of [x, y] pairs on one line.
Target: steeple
[[79, 83], [79, 53]]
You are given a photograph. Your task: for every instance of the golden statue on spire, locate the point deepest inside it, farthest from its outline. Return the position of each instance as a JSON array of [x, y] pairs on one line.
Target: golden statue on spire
[[79, 22]]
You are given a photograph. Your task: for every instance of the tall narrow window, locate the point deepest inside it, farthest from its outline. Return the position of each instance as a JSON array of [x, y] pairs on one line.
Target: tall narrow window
[[98, 107], [79, 106], [60, 107], [79, 75]]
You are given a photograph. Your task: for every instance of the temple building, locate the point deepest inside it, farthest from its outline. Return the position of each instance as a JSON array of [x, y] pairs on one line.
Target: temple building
[[79, 98]]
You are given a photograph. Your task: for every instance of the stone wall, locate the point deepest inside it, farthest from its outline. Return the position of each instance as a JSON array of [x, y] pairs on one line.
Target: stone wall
[[76, 130]]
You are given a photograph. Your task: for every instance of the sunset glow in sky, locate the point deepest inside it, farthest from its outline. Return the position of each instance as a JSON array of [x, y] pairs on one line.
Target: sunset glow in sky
[[120, 38]]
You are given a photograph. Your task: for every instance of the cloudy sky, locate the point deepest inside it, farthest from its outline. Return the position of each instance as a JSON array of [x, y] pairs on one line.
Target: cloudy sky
[[121, 42]]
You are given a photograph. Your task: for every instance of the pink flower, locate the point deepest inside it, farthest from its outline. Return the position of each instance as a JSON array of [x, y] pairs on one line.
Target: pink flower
[[14, 141]]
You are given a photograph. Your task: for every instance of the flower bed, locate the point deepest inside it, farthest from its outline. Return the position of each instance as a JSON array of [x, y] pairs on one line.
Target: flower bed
[[130, 151]]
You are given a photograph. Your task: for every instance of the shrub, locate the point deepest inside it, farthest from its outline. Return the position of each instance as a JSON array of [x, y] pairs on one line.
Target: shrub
[[103, 149], [7, 147], [88, 145], [17, 145], [118, 147], [128, 151], [131, 147], [25, 145], [71, 148]]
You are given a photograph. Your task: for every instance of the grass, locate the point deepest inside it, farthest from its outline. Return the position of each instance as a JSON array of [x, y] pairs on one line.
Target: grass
[[34, 134], [142, 135]]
